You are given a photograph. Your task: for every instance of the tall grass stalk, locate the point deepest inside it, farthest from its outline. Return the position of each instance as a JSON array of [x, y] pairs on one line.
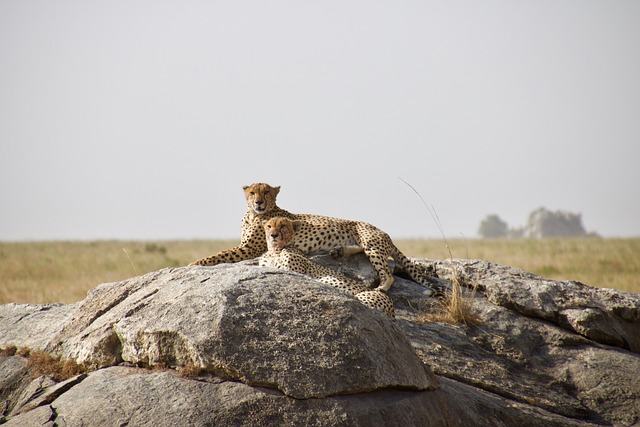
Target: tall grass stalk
[[455, 307], [131, 261]]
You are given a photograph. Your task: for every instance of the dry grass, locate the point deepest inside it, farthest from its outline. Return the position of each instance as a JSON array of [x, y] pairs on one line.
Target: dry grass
[[455, 308], [607, 263], [42, 272], [457, 305], [40, 363], [191, 371]]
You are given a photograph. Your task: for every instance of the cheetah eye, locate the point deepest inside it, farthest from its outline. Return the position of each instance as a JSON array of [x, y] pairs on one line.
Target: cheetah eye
[[252, 193]]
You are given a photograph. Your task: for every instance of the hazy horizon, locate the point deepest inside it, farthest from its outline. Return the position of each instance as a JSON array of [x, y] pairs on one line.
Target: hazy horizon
[[142, 121]]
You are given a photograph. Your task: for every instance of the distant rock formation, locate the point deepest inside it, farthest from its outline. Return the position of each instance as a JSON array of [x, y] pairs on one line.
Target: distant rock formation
[[237, 344], [542, 223], [545, 223]]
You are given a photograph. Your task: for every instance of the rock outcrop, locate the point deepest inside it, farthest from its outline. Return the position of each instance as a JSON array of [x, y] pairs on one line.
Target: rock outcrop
[[541, 223], [243, 345], [545, 223]]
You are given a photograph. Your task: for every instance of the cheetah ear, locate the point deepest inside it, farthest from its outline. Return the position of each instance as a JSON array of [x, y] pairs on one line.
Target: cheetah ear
[[276, 190], [296, 224]]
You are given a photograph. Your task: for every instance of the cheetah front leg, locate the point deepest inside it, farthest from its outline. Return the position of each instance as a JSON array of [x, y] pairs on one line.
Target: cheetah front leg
[[252, 245], [239, 253]]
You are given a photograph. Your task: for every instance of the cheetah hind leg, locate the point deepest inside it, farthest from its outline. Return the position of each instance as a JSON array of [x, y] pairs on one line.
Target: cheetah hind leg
[[378, 301], [379, 261]]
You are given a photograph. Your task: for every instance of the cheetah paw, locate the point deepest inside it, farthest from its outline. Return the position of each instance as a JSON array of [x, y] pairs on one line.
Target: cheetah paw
[[337, 252]]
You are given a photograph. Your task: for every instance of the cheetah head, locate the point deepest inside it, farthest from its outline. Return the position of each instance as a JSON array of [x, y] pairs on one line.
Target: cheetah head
[[279, 232], [261, 198]]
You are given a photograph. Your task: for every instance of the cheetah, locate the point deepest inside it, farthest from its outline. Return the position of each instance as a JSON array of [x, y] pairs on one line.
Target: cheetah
[[279, 234], [261, 205], [317, 234]]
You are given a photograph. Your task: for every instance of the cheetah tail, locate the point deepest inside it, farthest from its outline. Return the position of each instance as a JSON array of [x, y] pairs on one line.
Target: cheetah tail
[[417, 271]]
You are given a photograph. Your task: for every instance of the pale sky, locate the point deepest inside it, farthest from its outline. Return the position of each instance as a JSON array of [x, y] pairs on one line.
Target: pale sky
[[143, 119]]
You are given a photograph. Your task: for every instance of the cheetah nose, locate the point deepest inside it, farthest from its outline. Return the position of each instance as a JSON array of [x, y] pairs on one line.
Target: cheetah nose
[[273, 236]]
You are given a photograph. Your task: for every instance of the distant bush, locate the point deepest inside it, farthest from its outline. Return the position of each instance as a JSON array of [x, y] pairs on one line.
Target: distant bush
[[154, 248], [493, 227]]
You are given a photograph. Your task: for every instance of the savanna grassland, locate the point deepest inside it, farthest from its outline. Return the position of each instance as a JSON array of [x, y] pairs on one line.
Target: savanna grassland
[[40, 272]]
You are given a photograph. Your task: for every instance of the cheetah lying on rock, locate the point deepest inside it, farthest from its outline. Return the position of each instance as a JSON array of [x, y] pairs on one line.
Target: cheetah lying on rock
[[280, 232], [317, 234]]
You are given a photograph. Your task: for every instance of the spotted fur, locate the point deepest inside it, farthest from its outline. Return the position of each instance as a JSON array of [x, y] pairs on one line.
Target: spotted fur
[[317, 234], [261, 205], [280, 233]]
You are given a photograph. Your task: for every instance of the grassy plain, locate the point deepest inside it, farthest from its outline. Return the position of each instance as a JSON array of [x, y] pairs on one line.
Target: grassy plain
[[39, 272]]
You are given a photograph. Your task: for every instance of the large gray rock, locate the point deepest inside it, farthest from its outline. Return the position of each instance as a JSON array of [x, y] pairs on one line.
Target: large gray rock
[[126, 396], [604, 315], [12, 373], [531, 348], [31, 325], [137, 397], [276, 348], [258, 326]]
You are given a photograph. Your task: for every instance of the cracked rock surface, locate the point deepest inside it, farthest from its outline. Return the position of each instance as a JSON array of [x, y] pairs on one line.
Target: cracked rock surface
[[267, 347]]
